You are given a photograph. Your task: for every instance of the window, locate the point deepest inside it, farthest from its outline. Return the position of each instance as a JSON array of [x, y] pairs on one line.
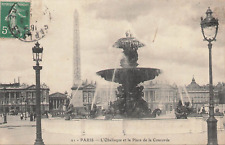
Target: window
[[171, 107], [85, 97], [89, 99], [34, 94], [90, 95], [7, 95], [170, 98], [152, 96], [146, 96], [17, 94]]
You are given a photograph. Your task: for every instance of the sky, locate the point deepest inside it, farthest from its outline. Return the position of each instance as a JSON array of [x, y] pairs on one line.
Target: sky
[[170, 30]]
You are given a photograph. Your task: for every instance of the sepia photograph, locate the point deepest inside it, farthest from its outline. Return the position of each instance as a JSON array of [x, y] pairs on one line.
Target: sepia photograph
[[112, 72]]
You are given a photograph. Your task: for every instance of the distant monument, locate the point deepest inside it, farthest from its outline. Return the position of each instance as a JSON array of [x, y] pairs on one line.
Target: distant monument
[[77, 93]]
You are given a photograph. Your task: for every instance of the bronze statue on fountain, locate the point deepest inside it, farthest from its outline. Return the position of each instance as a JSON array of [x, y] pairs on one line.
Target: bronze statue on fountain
[[130, 102], [182, 111]]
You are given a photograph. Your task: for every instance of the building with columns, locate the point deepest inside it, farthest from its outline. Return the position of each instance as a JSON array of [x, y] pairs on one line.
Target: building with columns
[[158, 95], [166, 96], [57, 101], [161, 96], [220, 89], [18, 97], [198, 95], [88, 94]]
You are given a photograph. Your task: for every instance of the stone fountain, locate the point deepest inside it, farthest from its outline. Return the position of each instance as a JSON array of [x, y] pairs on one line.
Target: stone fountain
[[129, 102]]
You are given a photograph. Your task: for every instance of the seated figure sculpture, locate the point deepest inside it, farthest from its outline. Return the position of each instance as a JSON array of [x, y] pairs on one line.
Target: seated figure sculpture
[[181, 111]]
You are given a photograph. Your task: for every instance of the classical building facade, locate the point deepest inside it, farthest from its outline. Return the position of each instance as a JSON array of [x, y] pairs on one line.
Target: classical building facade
[[161, 96], [158, 95], [22, 98], [57, 101], [198, 95], [92, 95], [83, 94], [220, 88], [88, 94]]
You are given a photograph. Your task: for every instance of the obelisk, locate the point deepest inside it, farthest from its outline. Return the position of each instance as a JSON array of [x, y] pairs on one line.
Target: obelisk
[[77, 92]]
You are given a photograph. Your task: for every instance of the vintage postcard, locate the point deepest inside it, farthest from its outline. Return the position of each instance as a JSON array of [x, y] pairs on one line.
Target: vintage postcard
[[112, 72]]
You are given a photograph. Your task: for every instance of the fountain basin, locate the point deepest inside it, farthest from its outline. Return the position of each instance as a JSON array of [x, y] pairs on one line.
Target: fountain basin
[[127, 127], [136, 75]]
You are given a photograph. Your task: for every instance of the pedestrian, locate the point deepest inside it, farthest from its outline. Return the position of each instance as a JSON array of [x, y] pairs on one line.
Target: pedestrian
[[34, 116], [21, 116], [203, 111], [31, 116], [46, 114]]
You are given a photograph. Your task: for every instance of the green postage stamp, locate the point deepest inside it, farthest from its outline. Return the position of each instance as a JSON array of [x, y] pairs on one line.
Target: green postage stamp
[[15, 19]]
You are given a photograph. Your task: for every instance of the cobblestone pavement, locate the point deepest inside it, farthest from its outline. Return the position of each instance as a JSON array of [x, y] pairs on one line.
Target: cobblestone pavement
[[23, 132]]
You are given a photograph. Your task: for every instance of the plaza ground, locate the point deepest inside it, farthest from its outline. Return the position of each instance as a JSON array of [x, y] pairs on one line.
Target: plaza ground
[[18, 131]]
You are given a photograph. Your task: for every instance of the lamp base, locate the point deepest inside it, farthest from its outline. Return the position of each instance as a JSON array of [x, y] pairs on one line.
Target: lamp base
[[39, 142], [212, 130]]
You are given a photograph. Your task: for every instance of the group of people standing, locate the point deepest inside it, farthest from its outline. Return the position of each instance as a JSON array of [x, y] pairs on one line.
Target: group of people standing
[[32, 116]]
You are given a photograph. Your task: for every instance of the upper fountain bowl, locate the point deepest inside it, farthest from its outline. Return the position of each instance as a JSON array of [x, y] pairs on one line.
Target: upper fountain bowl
[[128, 42]]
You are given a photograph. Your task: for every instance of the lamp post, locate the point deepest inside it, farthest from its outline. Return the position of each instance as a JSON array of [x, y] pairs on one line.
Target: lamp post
[[25, 108], [21, 104], [209, 26], [37, 56], [5, 115]]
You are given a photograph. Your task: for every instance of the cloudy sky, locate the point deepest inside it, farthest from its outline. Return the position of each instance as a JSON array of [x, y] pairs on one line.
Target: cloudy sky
[[170, 30]]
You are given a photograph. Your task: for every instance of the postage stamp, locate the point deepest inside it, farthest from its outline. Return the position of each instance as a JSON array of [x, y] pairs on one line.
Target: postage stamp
[[20, 20], [15, 19]]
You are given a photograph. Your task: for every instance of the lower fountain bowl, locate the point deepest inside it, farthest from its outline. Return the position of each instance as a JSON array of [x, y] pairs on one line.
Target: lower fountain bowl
[[136, 75]]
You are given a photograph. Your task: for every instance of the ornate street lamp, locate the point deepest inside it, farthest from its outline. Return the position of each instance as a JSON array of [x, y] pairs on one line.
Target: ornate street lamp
[[209, 27], [37, 56]]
